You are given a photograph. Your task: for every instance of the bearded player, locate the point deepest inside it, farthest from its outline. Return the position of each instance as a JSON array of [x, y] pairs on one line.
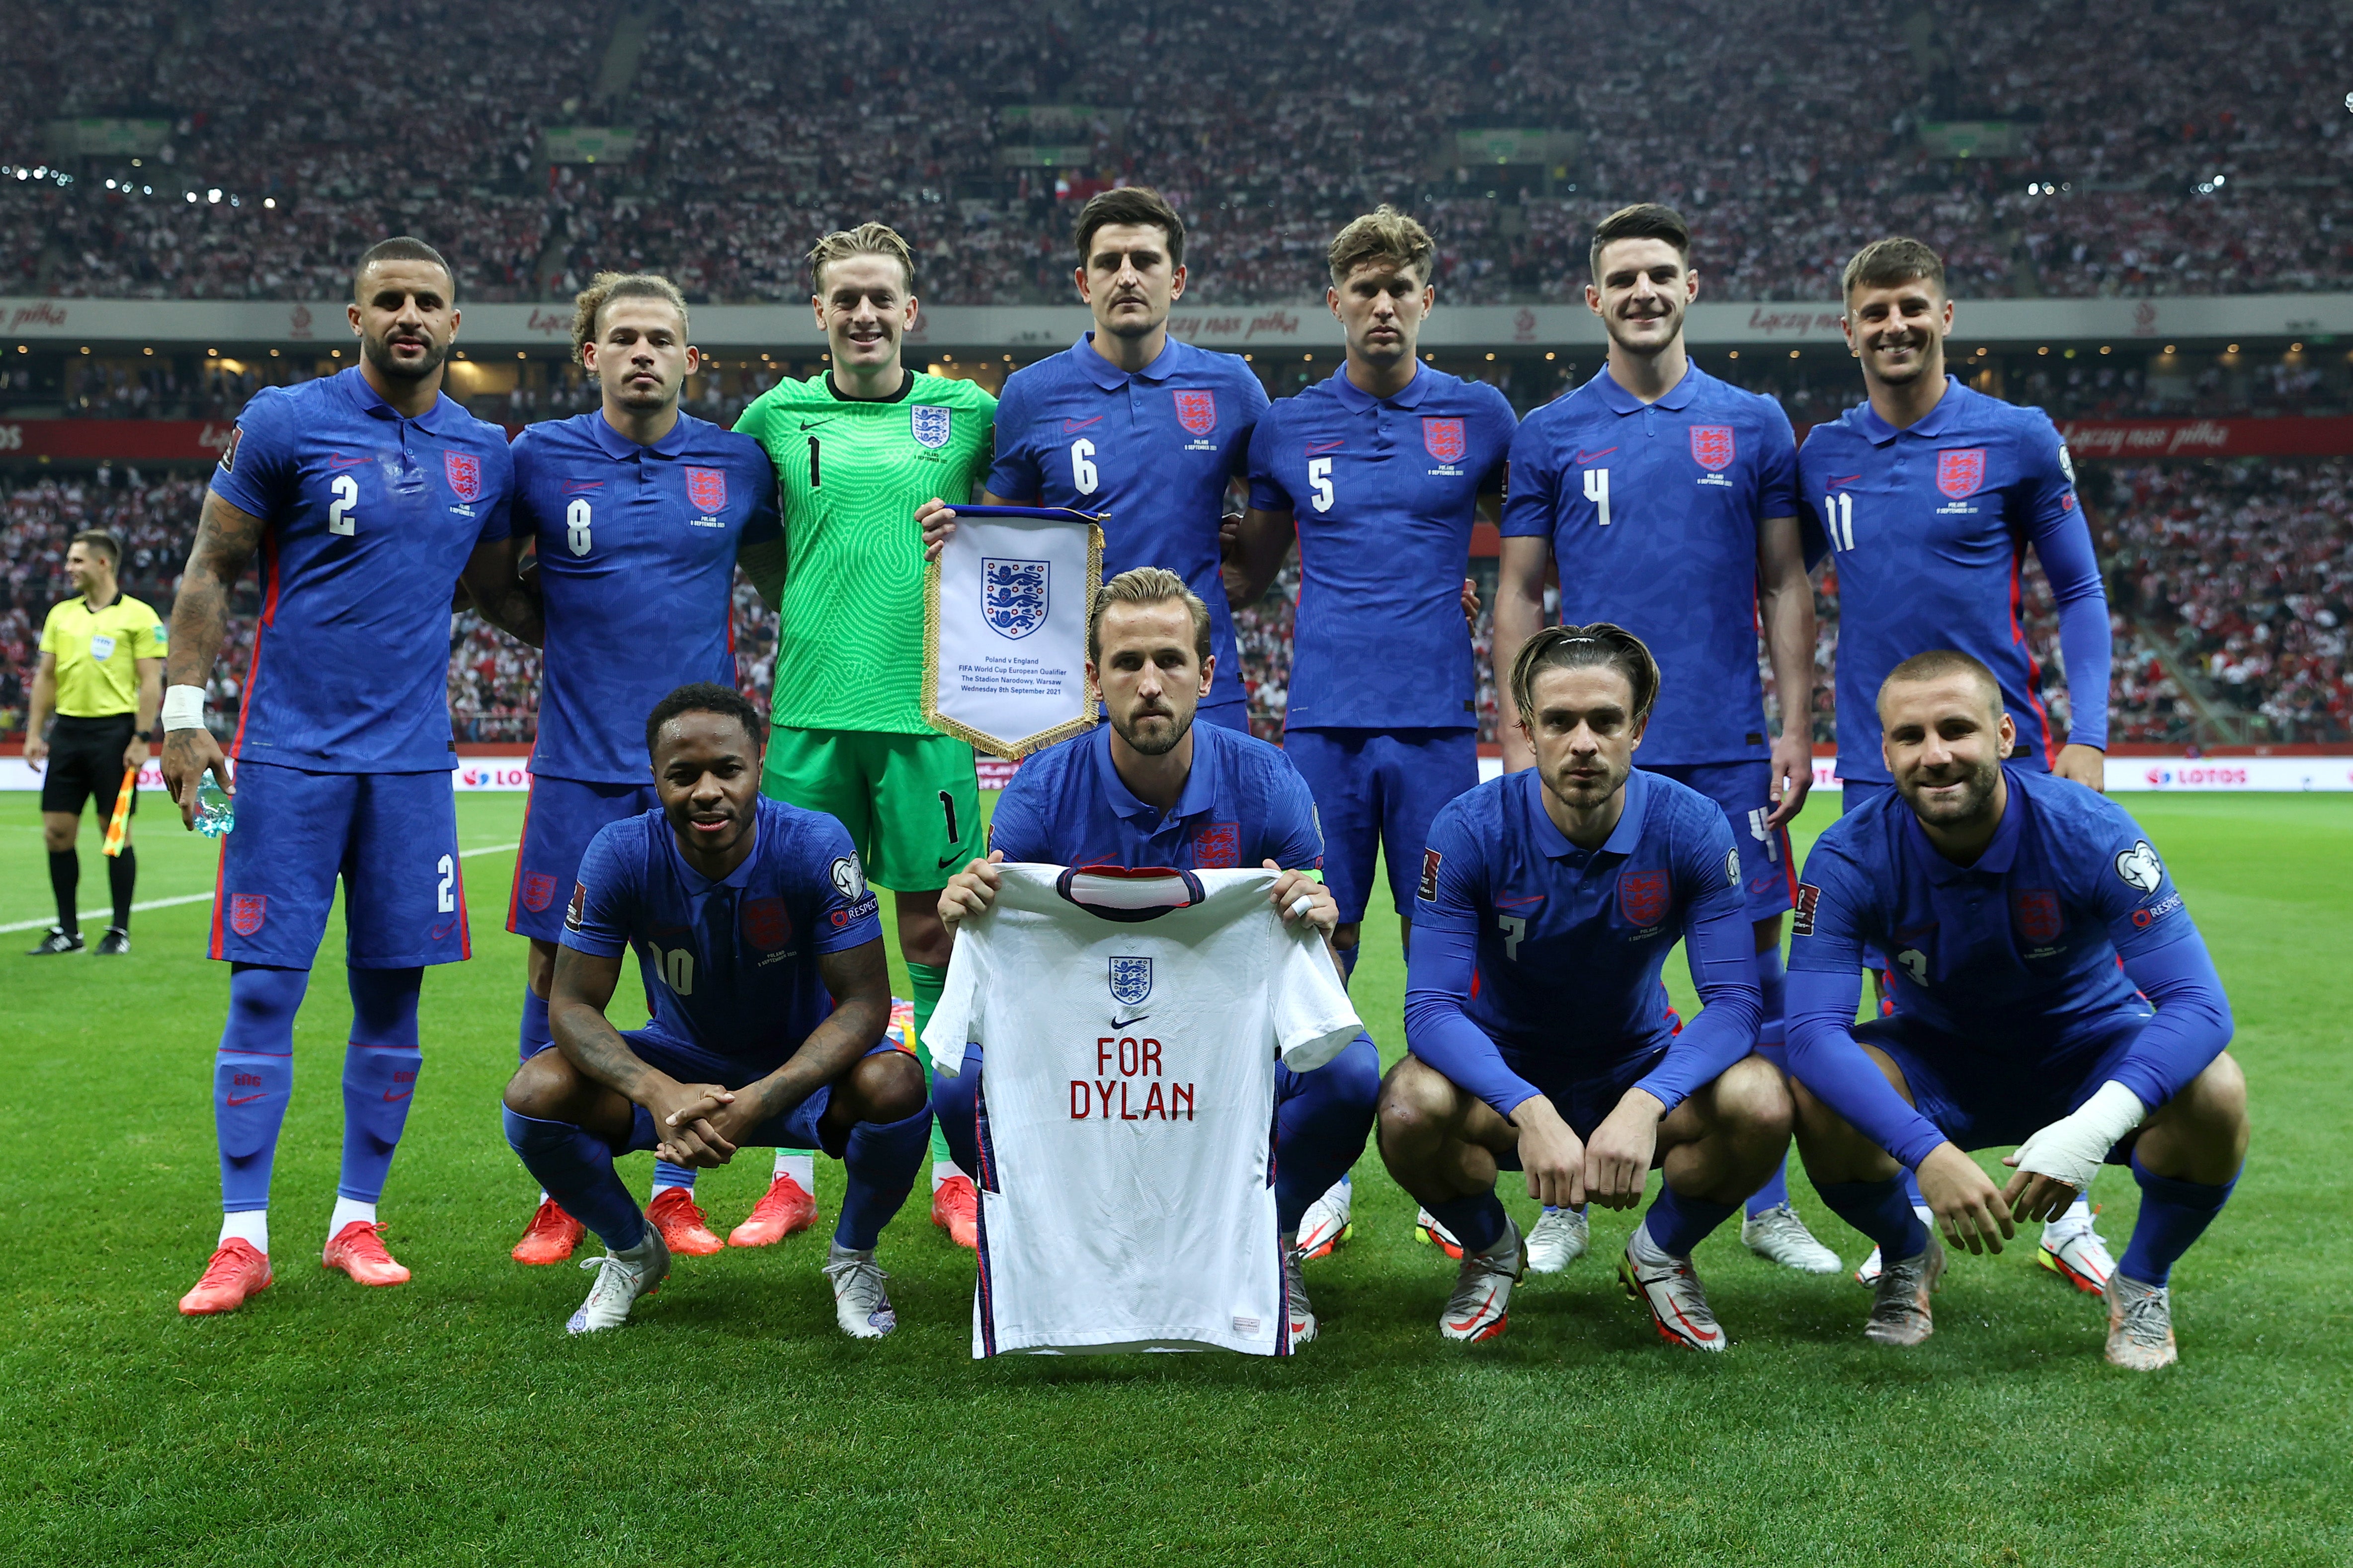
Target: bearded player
[[1928, 495], [1665, 499], [637, 513], [368, 494], [856, 450]]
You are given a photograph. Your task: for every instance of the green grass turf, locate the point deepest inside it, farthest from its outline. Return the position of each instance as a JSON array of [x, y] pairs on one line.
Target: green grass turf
[[452, 1420]]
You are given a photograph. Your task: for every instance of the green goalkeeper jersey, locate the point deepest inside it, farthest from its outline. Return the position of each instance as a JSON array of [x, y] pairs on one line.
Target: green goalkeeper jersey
[[850, 474]]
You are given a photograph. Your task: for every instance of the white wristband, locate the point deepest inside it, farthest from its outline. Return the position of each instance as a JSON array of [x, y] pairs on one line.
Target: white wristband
[[2072, 1149], [184, 707]]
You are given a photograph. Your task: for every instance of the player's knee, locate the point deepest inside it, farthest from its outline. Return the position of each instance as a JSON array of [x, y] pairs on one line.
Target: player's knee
[[2216, 1099], [890, 1087], [543, 1088], [1753, 1100], [1413, 1108], [1347, 935]]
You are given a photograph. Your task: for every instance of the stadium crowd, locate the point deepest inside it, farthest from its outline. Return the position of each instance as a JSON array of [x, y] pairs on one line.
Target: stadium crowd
[[1790, 133], [2229, 584]]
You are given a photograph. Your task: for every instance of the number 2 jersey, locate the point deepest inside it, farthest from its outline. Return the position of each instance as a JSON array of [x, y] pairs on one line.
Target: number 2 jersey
[[1131, 1021], [369, 518]]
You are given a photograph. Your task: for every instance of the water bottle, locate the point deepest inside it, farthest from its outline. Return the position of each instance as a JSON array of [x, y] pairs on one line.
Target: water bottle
[[215, 812]]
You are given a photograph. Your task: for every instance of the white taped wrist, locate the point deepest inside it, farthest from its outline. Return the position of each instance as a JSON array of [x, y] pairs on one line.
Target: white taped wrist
[[2072, 1149], [184, 707]]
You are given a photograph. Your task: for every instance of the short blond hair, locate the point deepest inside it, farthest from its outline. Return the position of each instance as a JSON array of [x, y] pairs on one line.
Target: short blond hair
[[866, 240], [1147, 585], [1387, 235], [607, 287]]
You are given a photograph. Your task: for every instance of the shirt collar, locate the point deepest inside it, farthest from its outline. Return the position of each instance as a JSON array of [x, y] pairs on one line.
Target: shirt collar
[[1931, 424], [1620, 401], [434, 420], [621, 448], [1357, 400], [1110, 377], [1553, 843], [2000, 851], [1199, 795]]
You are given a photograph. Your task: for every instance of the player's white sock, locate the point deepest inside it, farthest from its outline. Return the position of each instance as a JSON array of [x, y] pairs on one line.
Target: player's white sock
[[346, 1211], [800, 1166], [249, 1226], [943, 1171], [662, 1188]]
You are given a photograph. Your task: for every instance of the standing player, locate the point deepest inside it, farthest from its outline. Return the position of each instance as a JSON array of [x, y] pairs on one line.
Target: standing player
[[101, 672], [763, 963], [1928, 496], [638, 513], [1154, 788], [856, 450], [368, 494], [2032, 926], [1131, 422], [1541, 1037], [1666, 499], [1379, 472]]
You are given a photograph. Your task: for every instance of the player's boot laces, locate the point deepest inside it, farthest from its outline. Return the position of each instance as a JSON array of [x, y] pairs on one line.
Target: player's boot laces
[[2140, 1325], [1899, 1305], [1669, 1286], [860, 1305], [2079, 1257], [620, 1284], [358, 1250], [1479, 1307], [1327, 1223], [551, 1237], [1778, 1236], [785, 1209], [1559, 1239]]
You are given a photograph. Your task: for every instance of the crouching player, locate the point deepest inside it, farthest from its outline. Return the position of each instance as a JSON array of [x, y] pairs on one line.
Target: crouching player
[[745, 913], [1541, 1040], [2031, 925]]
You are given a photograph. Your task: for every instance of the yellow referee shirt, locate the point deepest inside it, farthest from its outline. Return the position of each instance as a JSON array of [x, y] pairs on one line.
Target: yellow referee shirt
[[98, 653]]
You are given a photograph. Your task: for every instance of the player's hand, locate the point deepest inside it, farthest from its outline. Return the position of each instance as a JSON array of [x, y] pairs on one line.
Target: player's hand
[[682, 1116], [1618, 1157], [2031, 1195], [1471, 603], [186, 754], [1230, 536], [1300, 897], [971, 890], [36, 750], [1551, 1155], [937, 520], [1793, 776], [2087, 765], [1968, 1205]]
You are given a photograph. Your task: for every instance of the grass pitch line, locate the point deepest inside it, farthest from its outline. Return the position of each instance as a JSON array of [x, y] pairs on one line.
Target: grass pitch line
[[45, 922]]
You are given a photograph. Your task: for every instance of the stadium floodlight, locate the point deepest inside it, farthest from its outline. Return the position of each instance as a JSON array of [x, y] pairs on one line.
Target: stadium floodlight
[[214, 195]]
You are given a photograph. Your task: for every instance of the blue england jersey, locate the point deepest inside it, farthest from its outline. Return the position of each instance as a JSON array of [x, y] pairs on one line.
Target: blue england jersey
[[729, 967], [1553, 952], [1155, 449], [1927, 529], [1242, 805], [1383, 492], [1652, 511], [370, 520], [636, 571]]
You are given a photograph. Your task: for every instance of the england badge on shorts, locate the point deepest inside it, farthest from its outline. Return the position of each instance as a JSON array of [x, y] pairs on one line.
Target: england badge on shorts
[[538, 890], [931, 425], [1131, 980], [247, 912], [1014, 596]]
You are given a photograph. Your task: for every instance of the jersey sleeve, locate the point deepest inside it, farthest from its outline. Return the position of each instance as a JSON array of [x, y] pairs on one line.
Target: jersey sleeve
[[1499, 425], [605, 892], [2063, 543], [153, 638], [848, 912], [2131, 888], [256, 474], [1015, 475], [1307, 1005], [1443, 967], [1813, 538], [763, 525], [1831, 923], [1720, 944], [1266, 491], [957, 1018], [1536, 485], [1293, 834], [498, 517], [1777, 466], [1254, 404], [1019, 827], [49, 629]]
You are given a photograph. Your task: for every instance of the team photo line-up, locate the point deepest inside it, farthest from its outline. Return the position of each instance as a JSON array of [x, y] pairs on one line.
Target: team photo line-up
[[2036, 978]]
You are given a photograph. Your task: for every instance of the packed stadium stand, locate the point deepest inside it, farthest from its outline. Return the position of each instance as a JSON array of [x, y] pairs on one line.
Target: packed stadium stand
[[229, 149]]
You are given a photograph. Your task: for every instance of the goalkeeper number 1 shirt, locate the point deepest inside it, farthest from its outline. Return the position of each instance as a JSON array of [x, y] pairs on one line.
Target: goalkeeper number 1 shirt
[[1131, 1021]]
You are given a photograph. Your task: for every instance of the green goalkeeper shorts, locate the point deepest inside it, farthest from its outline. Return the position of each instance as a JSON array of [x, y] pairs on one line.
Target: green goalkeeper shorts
[[911, 803]]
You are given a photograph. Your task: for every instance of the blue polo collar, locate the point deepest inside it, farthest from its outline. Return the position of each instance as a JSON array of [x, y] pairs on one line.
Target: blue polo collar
[[1110, 377], [1199, 797], [1620, 401], [621, 448], [434, 420], [1553, 844], [1357, 400], [1930, 425]]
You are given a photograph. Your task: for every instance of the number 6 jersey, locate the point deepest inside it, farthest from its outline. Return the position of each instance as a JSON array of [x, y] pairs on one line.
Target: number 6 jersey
[[1130, 1022]]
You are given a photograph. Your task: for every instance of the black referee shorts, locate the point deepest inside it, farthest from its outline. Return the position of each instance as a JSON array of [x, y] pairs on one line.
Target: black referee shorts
[[86, 760]]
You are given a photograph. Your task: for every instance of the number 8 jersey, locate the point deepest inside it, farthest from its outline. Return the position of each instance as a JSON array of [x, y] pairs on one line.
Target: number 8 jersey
[[369, 518]]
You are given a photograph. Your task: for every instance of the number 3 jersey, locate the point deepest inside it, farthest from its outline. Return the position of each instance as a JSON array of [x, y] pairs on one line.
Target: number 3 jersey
[[369, 518], [1131, 1021]]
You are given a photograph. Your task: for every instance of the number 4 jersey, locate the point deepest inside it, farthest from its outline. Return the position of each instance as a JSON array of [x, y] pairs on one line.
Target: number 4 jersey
[[1131, 1021]]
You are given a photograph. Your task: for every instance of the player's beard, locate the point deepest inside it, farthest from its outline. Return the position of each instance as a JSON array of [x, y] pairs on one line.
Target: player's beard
[[1159, 742], [1672, 320], [1972, 801], [379, 354]]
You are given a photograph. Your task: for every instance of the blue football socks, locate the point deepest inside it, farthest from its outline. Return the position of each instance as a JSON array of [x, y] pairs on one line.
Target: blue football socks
[[1678, 1222], [1474, 1221], [380, 1068], [1321, 1121], [534, 1037], [882, 1159], [2173, 1215], [253, 1078], [1882, 1211], [576, 1168]]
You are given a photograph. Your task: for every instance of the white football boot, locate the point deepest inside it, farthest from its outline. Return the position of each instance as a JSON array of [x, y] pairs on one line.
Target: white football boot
[[1429, 1233], [1294, 1298], [1325, 1224], [1778, 1236], [1669, 1288], [2140, 1325], [620, 1283], [2073, 1250], [860, 1304], [1479, 1306], [1559, 1240]]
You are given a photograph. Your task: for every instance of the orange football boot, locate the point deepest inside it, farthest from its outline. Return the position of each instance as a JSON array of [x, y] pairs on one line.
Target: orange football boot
[[680, 1220], [787, 1209], [551, 1236], [358, 1250], [238, 1272], [956, 1208]]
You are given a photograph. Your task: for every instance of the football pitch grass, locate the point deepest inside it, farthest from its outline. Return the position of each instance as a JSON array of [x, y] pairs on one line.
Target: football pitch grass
[[452, 1420]]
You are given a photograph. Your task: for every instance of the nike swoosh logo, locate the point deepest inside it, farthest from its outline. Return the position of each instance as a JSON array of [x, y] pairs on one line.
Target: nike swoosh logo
[[390, 1098], [1845, 480], [1070, 425], [340, 461], [1129, 1023], [575, 487], [1588, 456], [951, 860], [1313, 448], [244, 1100], [818, 424]]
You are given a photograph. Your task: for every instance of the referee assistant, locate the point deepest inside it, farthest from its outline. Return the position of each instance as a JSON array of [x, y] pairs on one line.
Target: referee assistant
[[102, 673]]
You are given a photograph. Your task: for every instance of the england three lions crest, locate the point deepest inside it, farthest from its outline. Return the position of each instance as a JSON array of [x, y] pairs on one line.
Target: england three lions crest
[[1710, 446], [1443, 439], [1959, 474], [1014, 596], [1197, 411], [465, 473], [1131, 980], [706, 488], [932, 424]]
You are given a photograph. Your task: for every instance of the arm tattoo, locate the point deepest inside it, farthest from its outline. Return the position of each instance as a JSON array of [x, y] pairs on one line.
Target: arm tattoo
[[227, 537]]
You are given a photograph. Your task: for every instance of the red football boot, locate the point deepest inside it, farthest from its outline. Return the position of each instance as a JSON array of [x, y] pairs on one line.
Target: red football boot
[[238, 1272], [956, 1208], [357, 1250], [787, 1209], [681, 1223], [551, 1236]]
